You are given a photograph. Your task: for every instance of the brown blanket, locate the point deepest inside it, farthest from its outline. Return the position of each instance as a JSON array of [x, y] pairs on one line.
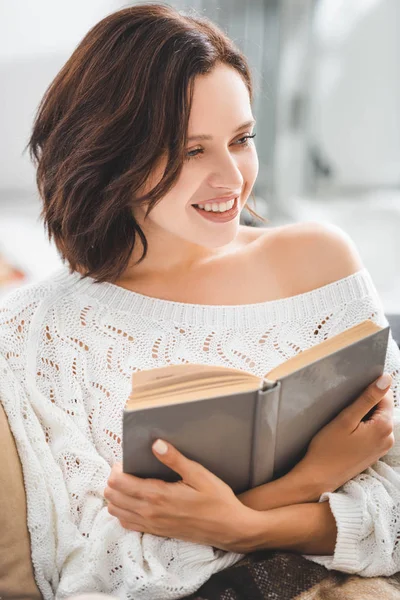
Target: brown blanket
[[285, 576]]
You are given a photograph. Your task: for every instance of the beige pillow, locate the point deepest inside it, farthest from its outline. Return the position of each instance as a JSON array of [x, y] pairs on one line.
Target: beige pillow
[[16, 571]]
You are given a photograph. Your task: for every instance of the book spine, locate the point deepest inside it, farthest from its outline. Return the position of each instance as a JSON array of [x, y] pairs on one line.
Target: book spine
[[264, 435]]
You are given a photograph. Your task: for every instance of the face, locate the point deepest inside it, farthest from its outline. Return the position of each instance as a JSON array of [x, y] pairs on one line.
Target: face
[[220, 168]]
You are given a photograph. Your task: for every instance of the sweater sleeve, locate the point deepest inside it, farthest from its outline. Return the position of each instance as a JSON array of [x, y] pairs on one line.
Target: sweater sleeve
[[367, 508], [77, 546]]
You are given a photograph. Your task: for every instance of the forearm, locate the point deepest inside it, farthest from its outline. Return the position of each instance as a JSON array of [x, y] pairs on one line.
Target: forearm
[[305, 528], [293, 488]]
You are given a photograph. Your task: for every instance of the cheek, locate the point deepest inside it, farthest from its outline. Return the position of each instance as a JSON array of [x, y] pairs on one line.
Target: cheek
[[171, 210], [185, 191], [250, 167]]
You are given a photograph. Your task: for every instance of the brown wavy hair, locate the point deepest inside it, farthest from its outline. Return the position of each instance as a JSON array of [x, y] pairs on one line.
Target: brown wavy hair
[[120, 103]]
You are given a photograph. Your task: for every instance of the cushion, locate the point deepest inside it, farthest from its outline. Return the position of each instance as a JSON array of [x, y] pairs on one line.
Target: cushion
[[269, 574], [16, 572]]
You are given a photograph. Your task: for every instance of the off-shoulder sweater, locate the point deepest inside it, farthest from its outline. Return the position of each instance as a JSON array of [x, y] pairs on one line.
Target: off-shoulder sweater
[[68, 347]]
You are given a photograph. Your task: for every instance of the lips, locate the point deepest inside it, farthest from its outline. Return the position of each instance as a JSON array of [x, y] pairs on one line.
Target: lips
[[219, 217]]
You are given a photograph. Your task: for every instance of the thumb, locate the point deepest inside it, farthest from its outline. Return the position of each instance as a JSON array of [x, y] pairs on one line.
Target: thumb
[[192, 473], [368, 400]]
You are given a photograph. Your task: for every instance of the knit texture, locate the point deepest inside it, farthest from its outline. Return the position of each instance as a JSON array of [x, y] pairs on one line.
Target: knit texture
[[68, 347]]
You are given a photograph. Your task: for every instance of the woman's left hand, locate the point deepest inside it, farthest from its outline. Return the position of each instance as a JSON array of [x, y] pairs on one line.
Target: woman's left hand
[[200, 508]]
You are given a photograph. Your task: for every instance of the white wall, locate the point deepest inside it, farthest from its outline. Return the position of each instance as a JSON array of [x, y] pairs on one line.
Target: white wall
[[355, 115], [36, 39]]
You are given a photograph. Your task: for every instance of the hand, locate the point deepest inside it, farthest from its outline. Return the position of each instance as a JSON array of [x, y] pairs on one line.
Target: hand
[[200, 508], [348, 444]]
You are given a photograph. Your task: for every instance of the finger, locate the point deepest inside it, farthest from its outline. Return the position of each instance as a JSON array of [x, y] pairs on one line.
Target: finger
[[191, 472], [367, 401], [385, 409], [126, 483], [125, 515], [133, 527], [121, 500]]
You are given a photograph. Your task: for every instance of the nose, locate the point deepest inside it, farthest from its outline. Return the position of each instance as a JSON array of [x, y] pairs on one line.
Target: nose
[[226, 174]]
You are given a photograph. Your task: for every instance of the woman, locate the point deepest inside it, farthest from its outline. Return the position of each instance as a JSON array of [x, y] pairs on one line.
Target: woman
[[145, 159]]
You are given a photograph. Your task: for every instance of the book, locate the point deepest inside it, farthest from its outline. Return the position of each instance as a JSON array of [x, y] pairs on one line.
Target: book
[[248, 430]]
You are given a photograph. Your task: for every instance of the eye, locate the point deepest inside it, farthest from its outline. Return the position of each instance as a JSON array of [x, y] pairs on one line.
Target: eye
[[243, 141], [191, 154]]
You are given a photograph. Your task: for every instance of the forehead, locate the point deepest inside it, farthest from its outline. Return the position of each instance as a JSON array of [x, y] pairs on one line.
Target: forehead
[[221, 102]]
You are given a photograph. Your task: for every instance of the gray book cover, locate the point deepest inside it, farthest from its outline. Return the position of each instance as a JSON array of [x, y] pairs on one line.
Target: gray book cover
[[250, 438]]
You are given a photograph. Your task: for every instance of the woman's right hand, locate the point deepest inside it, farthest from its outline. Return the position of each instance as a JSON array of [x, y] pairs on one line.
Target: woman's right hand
[[348, 444]]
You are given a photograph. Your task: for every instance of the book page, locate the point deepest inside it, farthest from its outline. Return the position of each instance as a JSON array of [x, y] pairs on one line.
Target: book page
[[329, 346], [178, 381]]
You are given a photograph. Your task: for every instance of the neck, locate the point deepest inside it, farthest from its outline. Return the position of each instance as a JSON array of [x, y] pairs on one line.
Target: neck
[[167, 255]]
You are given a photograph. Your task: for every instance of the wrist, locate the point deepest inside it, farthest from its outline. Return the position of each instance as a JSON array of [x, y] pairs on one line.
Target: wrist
[[305, 528], [250, 526], [308, 480]]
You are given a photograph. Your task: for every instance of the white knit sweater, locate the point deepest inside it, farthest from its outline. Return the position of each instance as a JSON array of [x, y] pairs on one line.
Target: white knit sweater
[[68, 348]]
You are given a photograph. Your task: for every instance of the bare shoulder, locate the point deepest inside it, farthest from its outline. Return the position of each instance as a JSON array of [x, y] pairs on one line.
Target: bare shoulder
[[310, 254]]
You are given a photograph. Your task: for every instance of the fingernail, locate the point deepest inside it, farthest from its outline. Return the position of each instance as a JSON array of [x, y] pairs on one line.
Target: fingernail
[[383, 381], [160, 447]]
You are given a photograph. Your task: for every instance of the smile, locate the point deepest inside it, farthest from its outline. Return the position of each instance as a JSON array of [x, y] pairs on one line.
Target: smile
[[220, 212]]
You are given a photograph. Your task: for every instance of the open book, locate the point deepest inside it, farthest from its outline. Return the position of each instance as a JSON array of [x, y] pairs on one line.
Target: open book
[[246, 429]]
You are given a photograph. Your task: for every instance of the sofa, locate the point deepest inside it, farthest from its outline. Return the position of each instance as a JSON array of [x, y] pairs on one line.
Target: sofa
[[16, 572]]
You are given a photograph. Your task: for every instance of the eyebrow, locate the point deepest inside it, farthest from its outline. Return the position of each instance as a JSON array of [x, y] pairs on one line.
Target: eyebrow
[[209, 137]]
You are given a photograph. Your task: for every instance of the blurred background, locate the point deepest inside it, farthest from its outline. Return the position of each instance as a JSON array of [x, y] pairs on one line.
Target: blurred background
[[327, 105]]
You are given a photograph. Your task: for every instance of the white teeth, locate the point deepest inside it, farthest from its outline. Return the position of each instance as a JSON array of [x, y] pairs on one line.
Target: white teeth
[[220, 207]]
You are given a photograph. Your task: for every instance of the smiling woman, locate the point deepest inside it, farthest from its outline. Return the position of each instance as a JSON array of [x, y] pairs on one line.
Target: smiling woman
[[122, 152]]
